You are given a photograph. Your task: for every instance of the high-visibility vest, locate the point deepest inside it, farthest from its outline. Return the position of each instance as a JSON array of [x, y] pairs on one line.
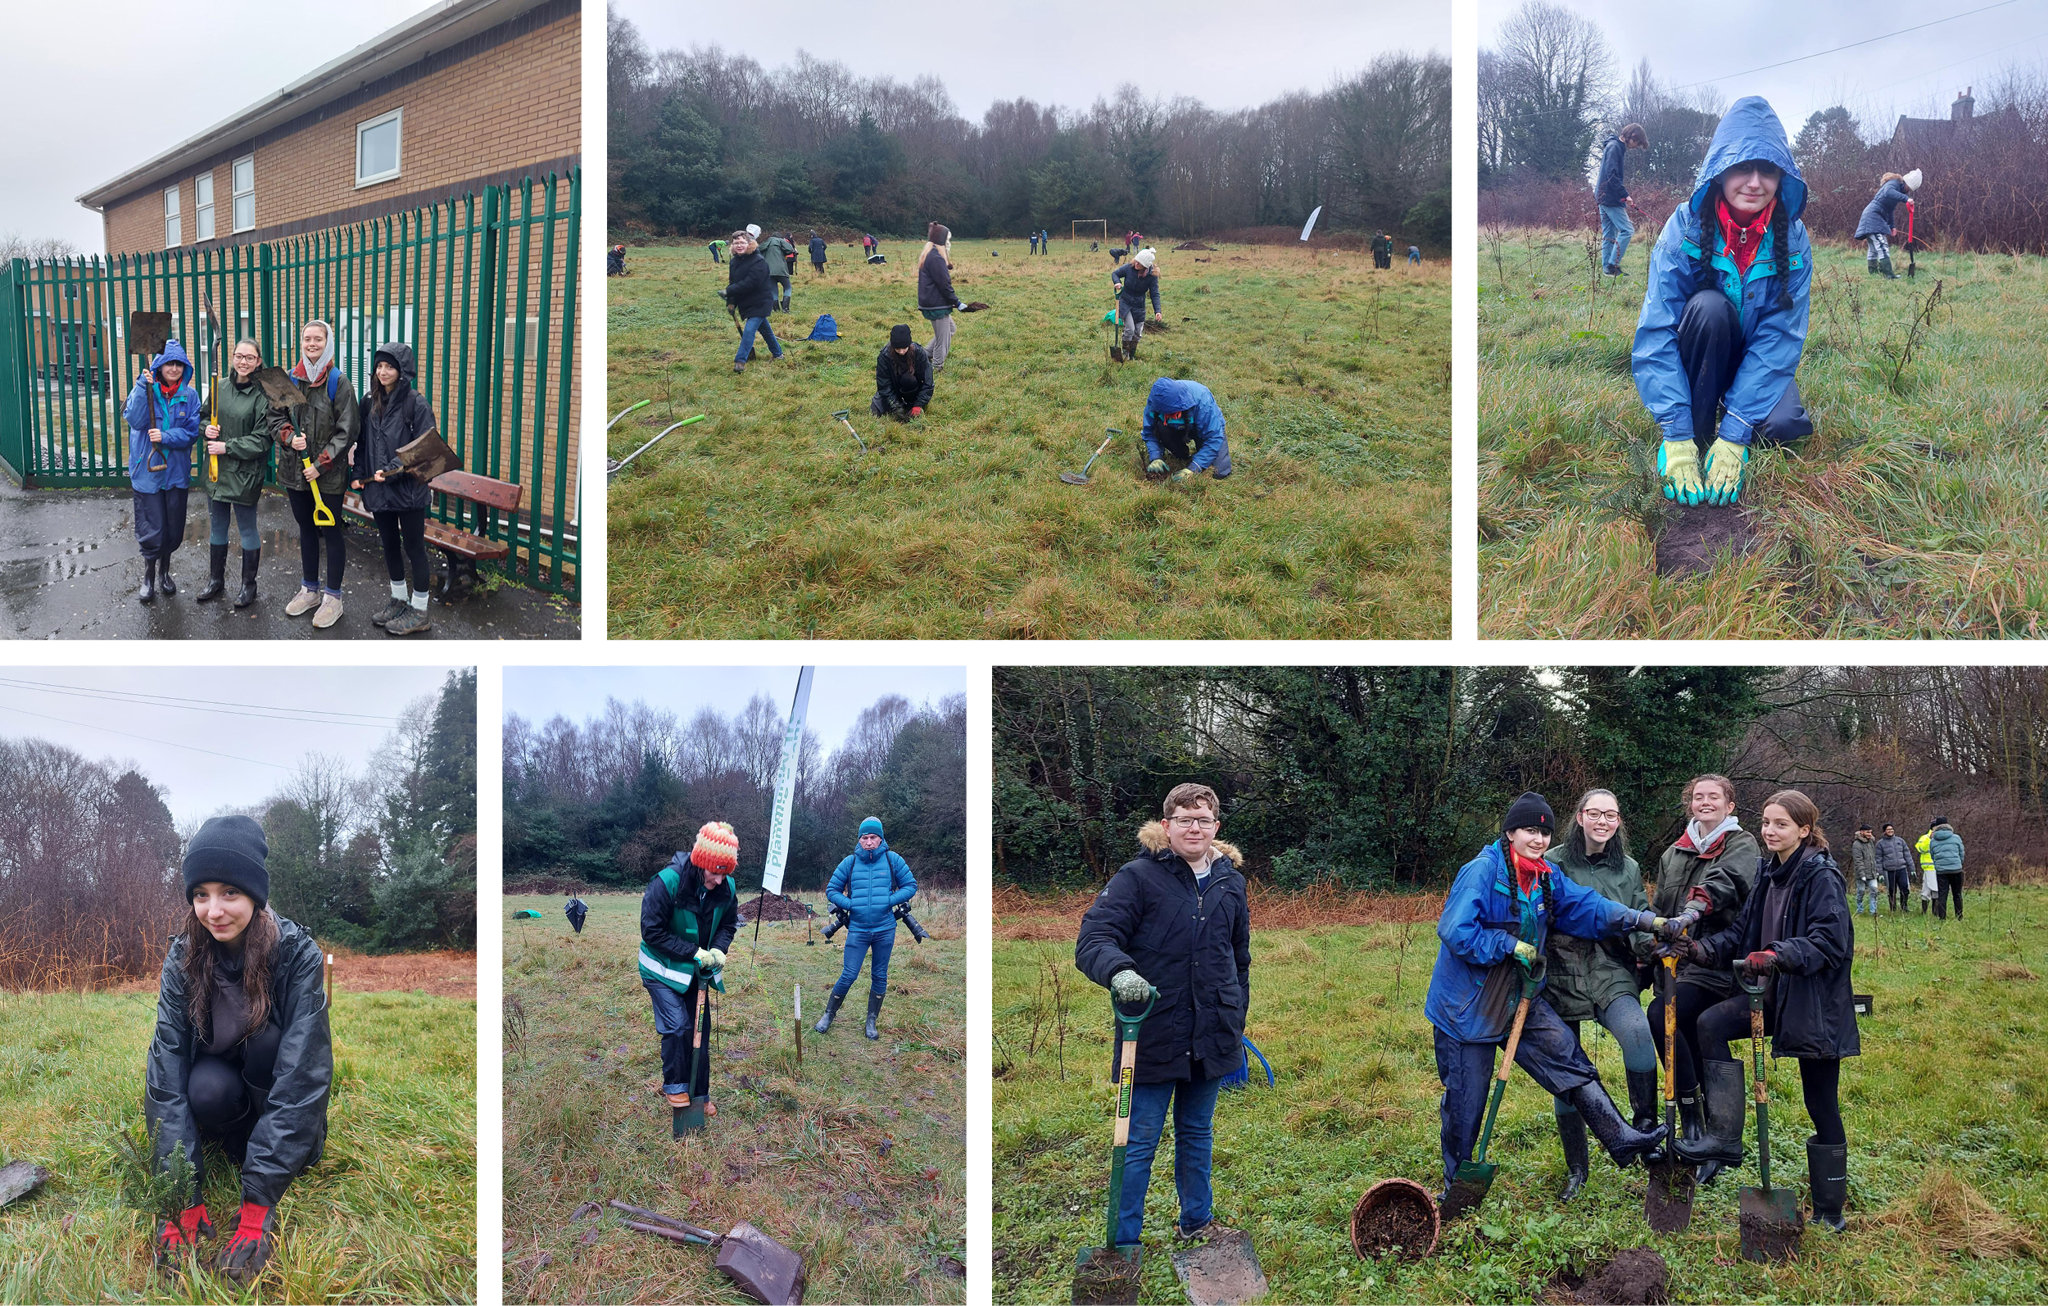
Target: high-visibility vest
[[679, 973]]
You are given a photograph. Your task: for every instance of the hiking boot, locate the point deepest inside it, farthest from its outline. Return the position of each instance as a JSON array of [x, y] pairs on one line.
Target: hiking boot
[[1722, 1097], [831, 1009], [677, 1100], [1611, 270], [252, 561], [394, 609], [329, 613], [302, 602], [1196, 1236], [1622, 1143], [147, 594], [738, 368], [409, 622], [164, 584], [1571, 1135], [216, 574], [1645, 1105], [874, 1009], [1827, 1179]]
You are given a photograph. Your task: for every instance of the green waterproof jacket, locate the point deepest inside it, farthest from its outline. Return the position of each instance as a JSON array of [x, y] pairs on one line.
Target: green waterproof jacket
[[1587, 974], [329, 426], [1726, 869], [248, 426]]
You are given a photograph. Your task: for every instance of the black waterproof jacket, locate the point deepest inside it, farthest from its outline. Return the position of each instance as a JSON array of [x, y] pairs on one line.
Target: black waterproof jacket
[[406, 417], [292, 1130], [656, 906], [935, 282], [1607, 187], [1810, 997], [747, 287], [904, 390], [1194, 947]]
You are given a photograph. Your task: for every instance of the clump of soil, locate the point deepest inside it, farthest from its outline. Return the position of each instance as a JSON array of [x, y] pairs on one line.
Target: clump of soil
[[1771, 1240], [1694, 538], [1195, 244], [1106, 1280], [1394, 1217], [1634, 1277], [774, 907], [975, 307]]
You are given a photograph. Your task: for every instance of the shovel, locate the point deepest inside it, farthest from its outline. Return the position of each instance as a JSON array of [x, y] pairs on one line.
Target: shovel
[[1667, 1203], [841, 417], [689, 1119], [1474, 1177], [615, 468], [1769, 1217], [148, 333], [278, 386], [758, 1265], [1116, 353], [1109, 1274], [1081, 477]]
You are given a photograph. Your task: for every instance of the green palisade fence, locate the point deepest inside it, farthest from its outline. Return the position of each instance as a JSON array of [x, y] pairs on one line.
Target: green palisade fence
[[483, 287]]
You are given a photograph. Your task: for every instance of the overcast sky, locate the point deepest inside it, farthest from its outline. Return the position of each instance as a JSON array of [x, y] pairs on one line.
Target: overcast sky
[[94, 87], [202, 756], [838, 694], [1918, 73], [1225, 53]]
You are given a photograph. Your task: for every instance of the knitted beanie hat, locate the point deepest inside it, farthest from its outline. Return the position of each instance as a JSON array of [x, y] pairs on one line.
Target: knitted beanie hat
[[1912, 179], [1145, 258], [899, 336], [1529, 812], [718, 848], [937, 234], [230, 850], [873, 825]]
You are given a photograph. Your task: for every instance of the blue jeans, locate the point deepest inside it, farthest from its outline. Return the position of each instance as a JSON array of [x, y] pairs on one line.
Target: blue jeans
[[1548, 1052], [675, 1015], [1866, 889], [245, 523], [1615, 233], [882, 941], [747, 331], [1194, 1114]]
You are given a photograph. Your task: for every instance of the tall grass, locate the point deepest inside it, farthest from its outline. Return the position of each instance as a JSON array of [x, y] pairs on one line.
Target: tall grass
[[766, 522], [1948, 1135], [1918, 509], [389, 1214], [855, 1160]]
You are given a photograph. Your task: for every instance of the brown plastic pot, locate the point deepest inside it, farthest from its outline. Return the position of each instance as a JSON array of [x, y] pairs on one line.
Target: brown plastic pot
[[1390, 1192]]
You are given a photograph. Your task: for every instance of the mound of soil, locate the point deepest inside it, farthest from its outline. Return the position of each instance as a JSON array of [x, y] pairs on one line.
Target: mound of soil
[[1635, 1277], [1195, 244], [1771, 1240], [1105, 1280], [1394, 1216], [1695, 537], [775, 907], [975, 307]]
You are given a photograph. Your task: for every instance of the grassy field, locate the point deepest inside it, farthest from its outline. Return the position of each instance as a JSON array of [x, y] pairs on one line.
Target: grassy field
[[1946, 1104], [765, 521], [1916, 510], [856, 1162], [389, 1214]]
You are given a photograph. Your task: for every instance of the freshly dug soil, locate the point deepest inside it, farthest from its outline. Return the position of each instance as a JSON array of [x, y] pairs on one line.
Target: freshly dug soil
[[975, 307], [1397, 1219], [1695, 537], [1768, 1240], [1195, 244], [1107, 1280], [1635, 1277], [774, 907]]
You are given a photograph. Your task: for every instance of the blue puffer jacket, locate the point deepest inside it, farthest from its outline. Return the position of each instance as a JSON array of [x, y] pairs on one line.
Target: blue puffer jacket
[[870, 885], [1475, 986], [178, 420], [1945, 850], [1877, 215], [1199, 416], [1772, 340]]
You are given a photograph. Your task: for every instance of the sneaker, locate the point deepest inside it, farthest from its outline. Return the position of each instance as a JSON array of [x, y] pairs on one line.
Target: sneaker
[[1199, 1234], [329, 613], [739, 367], [394, 609], [302, 602], [410, 622]]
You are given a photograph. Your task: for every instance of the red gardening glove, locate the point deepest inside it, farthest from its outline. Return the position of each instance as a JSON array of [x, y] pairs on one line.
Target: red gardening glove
[[1761, 963], [249, 1248], [1700, 898], [917, 412], [186, 1231]]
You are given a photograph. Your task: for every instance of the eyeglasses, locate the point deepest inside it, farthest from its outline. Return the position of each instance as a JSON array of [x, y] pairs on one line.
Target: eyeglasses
[[1592, 815], [1192, 823]]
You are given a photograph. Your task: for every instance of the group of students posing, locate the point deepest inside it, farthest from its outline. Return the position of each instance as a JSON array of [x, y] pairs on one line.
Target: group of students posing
[[1568, 916], [322, 447]]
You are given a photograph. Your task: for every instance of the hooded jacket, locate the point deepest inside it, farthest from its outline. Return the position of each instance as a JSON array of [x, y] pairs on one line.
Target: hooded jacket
[[292, 1131], [1877, 215], [178, 418], [1134, 282], [1726, 869], [248, 427], [1584, 975], [935, 283], [904, 390], [1810, 996], [1203, 419], [1773, 339], [870, 886], [1475, 985], [1944, 850], [1192, 943], [329, 425], [674, 924], [405, 417], [1607, 187], [1863, 857], [748, 287]]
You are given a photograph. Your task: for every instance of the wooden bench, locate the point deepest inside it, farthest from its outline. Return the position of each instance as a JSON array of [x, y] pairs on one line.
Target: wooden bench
[[463, 549]]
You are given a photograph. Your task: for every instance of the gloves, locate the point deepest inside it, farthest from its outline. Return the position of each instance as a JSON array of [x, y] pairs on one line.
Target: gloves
[[1698, 898], [1672, 927], [1128, 986], [1532, 961], [916, 411], [1184, 474], [717, 959], [1691, 950], [1157, 467], [185, 1231], [248, 1250], [1678, 461], [705, 958], [1759, 963], [1647, 921], [1727, 464]]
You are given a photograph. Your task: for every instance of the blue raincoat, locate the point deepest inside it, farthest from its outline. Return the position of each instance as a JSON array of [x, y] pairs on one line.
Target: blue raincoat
[[1773, 339], [178, 420], [1198, 416]]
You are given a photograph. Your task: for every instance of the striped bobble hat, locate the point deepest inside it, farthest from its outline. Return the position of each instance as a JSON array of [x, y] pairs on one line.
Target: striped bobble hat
[[718, 848]]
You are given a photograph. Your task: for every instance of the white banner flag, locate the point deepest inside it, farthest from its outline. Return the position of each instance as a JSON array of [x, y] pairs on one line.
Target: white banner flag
[[785, 786]]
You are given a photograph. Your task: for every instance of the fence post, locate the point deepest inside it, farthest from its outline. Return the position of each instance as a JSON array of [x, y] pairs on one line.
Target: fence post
[[265, 325], [480, 443], [14, 377]]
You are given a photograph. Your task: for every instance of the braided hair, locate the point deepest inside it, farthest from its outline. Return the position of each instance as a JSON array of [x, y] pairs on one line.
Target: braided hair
[[1781, 240], [1781, 249]]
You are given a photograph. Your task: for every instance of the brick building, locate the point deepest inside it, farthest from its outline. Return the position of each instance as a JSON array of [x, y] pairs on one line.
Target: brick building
[[467, 94]]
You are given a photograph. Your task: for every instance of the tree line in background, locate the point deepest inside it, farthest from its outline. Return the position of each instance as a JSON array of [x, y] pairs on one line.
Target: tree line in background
[[1549, 91], [612, 799], [703, 141], [1392, 777], [91, 880]]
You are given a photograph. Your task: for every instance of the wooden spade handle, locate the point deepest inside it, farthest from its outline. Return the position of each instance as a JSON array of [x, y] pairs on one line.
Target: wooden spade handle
[[1514, 1037], [1126, 1074], [1670, 1028], [1756, 1036]]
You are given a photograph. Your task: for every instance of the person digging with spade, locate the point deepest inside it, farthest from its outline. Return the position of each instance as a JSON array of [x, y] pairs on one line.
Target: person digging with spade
[[869, 885], [1181, 418], [1132, 282], [1501, 910], [688, 916], [1874, 226], [1175, 918]]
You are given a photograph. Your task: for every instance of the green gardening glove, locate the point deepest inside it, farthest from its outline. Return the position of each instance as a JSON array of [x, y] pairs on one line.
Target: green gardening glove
[[1727, 464], [1157, 467], [1678, 461], [1532, 961], [704, 958], [1129, 987], [1184, 474]]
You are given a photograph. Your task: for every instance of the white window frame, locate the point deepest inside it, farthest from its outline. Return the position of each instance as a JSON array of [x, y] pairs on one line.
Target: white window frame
[[202, 206], [395, 117], [240, 225], [174, 227]]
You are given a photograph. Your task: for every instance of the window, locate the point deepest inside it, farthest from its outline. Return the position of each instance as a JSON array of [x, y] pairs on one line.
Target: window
[[173, 233], [377, 147], [202, 196], [243, 179]]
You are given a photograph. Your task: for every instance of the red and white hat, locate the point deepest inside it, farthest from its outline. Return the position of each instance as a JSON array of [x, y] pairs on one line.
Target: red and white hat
[[718, 848]]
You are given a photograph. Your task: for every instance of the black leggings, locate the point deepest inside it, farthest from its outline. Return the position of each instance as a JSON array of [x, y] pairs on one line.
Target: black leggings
[[405, 542], [310, 537], [229, 1091], [1692, 1000], [1820, 1078]]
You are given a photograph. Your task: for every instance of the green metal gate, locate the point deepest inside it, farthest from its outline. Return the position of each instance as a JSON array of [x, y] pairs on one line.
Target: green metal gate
[[482, 287]]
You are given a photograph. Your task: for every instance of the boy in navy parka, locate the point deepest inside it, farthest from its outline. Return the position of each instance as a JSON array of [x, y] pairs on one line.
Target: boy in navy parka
[[162, 413]]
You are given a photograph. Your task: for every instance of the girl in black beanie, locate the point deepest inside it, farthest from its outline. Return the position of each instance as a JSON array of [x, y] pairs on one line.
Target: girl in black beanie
[[903, 377], [242, 1056]]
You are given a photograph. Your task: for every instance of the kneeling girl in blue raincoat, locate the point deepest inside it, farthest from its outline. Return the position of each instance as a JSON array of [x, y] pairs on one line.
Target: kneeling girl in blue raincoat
[[1182, 419], [1724, 313], [1496, 919]]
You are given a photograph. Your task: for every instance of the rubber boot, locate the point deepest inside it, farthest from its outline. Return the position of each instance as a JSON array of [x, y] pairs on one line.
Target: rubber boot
[[831, 1010], [252, 561], [1624, 1144], [1571, 1135], [216, 574], [1872, 263], [147, 594], [164, 584], [1827, 1179], [1884, 266], [1646, 1107], [1726, 1108], [1690, 1130], [874, 1009]]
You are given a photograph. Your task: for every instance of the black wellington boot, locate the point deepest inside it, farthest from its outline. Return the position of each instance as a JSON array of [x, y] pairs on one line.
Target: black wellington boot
[[147, 594], [1827, 1178], [1884, 267], [831, 1010], [1689, 1128], [1571, 1135], [1623, 1143], [164, 583], [216, 574], [1646, 1107], [252, 561], [1721, 1091], [874, 1009]]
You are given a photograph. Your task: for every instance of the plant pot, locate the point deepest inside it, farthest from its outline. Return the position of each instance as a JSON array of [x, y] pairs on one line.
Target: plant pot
[[1392, 1204]]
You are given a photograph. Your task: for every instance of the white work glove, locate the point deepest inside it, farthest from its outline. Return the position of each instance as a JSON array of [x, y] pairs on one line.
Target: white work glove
[[704, 958], [1128, 986], [717, 959]]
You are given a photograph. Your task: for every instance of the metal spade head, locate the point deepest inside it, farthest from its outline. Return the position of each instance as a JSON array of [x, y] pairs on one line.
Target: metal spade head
[[761, 1267], [1668, 1203], [147, 333], [1222, 1271], [279, 387], [1081, 477], [1770, 1223]]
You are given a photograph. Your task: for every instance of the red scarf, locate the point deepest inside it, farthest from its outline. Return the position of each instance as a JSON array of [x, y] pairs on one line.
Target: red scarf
[[1526, 869], [1744, 239], [170, 388]]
